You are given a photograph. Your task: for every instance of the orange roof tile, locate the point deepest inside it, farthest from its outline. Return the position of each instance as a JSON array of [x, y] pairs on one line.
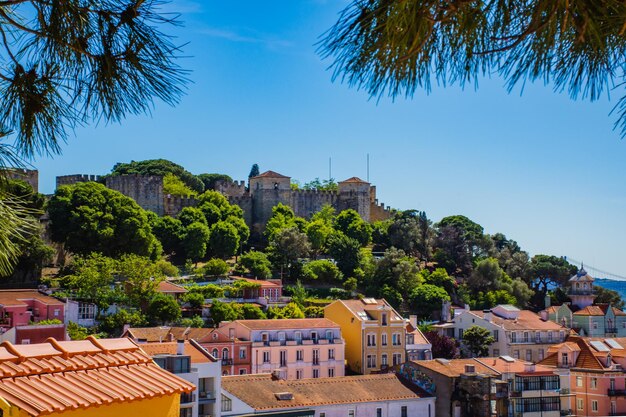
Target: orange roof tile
[[54, 377], [166, 333], [257, 281], [197, 353], [590, 311], [16, 297], [259, 391], [454, 367], [262, 324], [526, 320], [517, 366], [618, 312], [167, 287], [355, 180], [271, 174]]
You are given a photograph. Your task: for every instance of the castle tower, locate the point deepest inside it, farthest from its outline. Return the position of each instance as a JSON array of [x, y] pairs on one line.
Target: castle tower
[[146, 190], [354, 193], [267, 190], [581, 290]]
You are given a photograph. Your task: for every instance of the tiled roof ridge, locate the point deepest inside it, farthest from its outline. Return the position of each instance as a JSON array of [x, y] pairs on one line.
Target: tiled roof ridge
[[316, 381]]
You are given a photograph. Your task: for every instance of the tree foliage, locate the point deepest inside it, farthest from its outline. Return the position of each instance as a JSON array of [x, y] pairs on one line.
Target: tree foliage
[[163, 309], [442, 346], [160, 167], [477, 340], [396, 48], [257, 264]]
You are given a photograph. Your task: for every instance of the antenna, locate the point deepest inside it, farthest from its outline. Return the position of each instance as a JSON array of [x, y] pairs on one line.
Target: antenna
[[330, 168], [368, 167]]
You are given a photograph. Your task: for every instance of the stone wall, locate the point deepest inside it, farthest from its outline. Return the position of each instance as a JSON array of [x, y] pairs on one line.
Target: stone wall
[[146, 190], [174, 204], [31, 176], [76, 178], [305, 203], [231, 188]]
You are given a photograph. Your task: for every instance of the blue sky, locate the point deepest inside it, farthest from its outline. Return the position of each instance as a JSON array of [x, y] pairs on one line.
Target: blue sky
[[546, 171]]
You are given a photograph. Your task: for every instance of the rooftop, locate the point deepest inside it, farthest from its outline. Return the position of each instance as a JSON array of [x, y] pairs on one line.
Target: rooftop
[[270, 174], [196, 352], [165, 333], [54, 377], [16, 297], [526, 320], [453, 368], [170, 287], [260, 391], [360, 308], [354, 180], [272, 324], [261, 282]]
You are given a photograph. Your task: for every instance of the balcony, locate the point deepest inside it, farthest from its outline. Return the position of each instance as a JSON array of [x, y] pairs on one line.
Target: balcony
[[616, 392], [227, 361], [206, 396], [187, 398], [582, 292]]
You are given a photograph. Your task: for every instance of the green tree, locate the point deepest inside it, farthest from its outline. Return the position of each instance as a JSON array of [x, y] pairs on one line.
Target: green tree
[[477, 340], [215, 268], [254, 171], [88, 217], [252, 312], [411, 231], [345, 251], [195, 241], [113, 324], [547, 270], [139, 277], [396, 48], [190, 215], [440, 278], [426, 299], [170, 232], [282, 217], [90, 279], [349, 222], [167, 269], [298, 293], [287, 246], [322, 270], [224, 240], [313, 312], [194, 299], [160, 167], [607, 296], [222, 312], [163, 309], [175, 186], [257, 264], [210, 180], [195, 321], [318, 232], [290, 311]]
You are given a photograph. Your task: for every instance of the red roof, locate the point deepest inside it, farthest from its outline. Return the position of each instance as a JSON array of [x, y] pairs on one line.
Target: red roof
[[261, 282], [167, 287], [55, 377], [271, 174], [354, 180]]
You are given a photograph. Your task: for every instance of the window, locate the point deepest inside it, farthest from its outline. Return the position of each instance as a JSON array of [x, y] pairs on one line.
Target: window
[[496, 334], [322, 414], [371, 361], [549, 336], [216, 353], [579, 381], [496, 352], [298, 336], [529, 355], [266, 357], [242, 371], [579, 403], [331, 354], [564, 359], [281, 336], [57, 312], [595, 325], [298, 373], [299, 355], [513, 337], [516, 354], [395, 339], [186, 412], [242, 353], [371, 340], [350, 413], [316, 356], [329, 335], [383, 339], [316, 373], [403, 411], [384, 319], [383, 360], [314, 336], [594, 406], [379, 412], [86, 311], [397, 359], [265, 337], [537, 337], [540, 353], [594, 383], [224, 353], [525, 340], [227, 403], [460, 334], [331, 372], [283, 358]]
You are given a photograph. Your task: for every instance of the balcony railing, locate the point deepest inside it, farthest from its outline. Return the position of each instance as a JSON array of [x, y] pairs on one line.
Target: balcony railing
[[227, 361], [187, 398], [617, 392], [582, 292]]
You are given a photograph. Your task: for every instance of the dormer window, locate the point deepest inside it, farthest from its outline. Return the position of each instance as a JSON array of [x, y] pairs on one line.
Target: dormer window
[[384, 319], [564, 359]]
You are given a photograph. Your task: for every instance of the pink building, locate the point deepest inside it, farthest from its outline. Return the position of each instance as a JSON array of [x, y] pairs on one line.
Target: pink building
[[21, 307], [271, 289], [596, 372], [292, 348], [234, 353]]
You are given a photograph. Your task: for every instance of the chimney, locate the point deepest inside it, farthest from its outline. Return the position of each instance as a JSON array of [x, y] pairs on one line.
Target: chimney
[[125, 329], [466, 307], [529, 367], [445, 311], [180, 347], [413, 320], [170, 337], [544, 315], [547, 301], [487, 315]]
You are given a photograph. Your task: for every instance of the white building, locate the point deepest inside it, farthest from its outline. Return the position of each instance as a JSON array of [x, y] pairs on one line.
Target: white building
[[374, 395]]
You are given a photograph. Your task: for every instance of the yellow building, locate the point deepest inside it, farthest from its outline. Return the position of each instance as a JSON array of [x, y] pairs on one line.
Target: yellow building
[[88, 378], [374, 333]]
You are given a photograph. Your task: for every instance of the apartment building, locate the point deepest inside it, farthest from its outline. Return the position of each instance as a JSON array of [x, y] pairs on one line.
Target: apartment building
[[521, 334], [291, 348], [598, 320], [21, 307], [235, 354], [375, 333]]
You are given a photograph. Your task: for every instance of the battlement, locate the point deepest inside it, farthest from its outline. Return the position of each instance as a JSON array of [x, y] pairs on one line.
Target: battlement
[[174, 204], [231, 188], [31, 176], [76, 178], [316, 192]]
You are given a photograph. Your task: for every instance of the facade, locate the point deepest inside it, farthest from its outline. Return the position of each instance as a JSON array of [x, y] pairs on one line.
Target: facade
[[235, 354], [291, 348], [416, 345], [384, 395], [595, 368], [581, 290], [87, 378], [191, 362], [36, 333], [599, 320], [271, 290], [21, 307], [80, 312], [375, 333], [521, 334]]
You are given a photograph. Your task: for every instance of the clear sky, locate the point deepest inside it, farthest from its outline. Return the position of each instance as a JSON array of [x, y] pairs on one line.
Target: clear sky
[[542, 169]]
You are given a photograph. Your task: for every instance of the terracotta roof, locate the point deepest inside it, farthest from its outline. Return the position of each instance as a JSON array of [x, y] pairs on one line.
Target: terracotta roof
[[618, 312], [358, 306], [15, 297], [169, 288], [526, 320], [272, 324], [517, 366], [354, 180], [453, 368], [418, 336], [55, 377], [587, 357], [552, 309], [166, 333], [590, 311], [197, 353], [259, 391], [258, 281], [271, 174]]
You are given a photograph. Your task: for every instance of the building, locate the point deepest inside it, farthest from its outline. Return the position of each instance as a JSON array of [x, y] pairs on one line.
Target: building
[[169, 288], [90, 378], [384, 395], [417, 346], [375, 333], [191, 362], [270, 291], [235, 354], [22, 307], [164, 333], [36, 333], [581, 290], [521, 334], [80, 312], [595, 368], [484, 387], [598, 320], [291, 348]]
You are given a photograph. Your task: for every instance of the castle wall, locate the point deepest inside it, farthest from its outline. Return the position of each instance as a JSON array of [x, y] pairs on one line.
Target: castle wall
[[76, 178], [174, 204], [31, 176], [307, 202], [245, 202], [231, 188], [146, 190], [378, 212], [356, 196]]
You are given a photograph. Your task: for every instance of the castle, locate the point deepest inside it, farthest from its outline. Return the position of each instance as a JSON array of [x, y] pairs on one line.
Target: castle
[[264, 192]]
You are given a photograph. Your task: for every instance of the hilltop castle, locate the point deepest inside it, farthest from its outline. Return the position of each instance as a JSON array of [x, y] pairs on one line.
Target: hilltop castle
[[264, 192]]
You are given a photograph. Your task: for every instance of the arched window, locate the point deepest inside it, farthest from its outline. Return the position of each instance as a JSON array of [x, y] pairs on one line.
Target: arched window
[[216, 353], [225, 353]]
